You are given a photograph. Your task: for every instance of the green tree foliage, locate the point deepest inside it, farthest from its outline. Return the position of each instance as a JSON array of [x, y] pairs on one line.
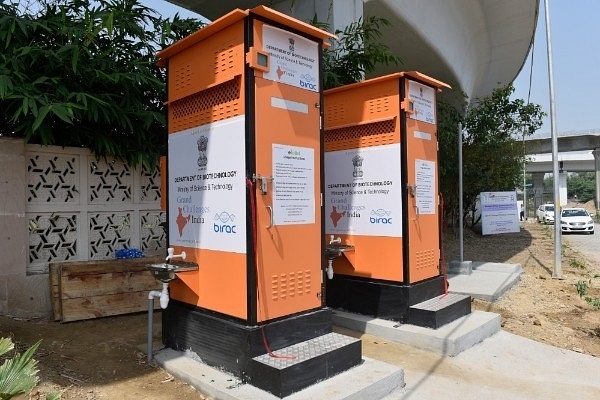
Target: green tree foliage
[[493, 153], [548, 184], [82, 73], [356, 53], [448, 117], [582, 186]]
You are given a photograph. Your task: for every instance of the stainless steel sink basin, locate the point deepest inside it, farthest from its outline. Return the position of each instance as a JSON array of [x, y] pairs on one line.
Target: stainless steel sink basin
[[335, 250], [166, 272]]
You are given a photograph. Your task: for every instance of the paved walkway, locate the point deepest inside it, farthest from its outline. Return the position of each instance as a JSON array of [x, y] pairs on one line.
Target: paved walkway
[[470, 358], [504, 366]]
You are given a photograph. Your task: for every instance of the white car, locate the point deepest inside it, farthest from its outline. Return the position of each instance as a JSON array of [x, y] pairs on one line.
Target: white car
[[576, 220], [545, 213]]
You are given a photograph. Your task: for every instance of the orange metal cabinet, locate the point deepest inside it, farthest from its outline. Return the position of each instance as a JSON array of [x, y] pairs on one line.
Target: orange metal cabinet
[[381, 187], [244, 165]]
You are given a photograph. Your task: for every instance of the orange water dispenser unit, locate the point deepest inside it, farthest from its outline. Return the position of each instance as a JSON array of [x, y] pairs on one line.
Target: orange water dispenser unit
[[381, 194], [244, 184]]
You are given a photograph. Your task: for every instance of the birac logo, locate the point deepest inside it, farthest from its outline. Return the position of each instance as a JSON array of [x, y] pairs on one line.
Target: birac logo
[[224, 228], [221, 225], [380, 220], [380, 216], [308, 85]]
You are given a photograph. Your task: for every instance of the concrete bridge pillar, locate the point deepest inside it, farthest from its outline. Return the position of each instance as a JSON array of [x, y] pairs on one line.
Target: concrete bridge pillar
[[538, 186], [596, 154]]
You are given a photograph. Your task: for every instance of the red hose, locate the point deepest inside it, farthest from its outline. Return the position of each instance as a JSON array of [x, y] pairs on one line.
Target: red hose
[[252, 191]]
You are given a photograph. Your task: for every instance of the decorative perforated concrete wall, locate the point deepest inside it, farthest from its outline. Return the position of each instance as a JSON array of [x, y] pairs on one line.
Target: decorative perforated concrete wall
[[64, 204]]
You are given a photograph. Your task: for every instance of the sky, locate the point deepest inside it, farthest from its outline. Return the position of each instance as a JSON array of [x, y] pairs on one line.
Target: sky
[[168, 9], [574, 35]]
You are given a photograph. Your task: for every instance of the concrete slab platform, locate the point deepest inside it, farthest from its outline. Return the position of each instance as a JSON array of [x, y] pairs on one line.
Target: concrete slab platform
[[505, 366], [450, 339], [446, 362], [488, 281], [460, 267], [371, 380], [497, 267]]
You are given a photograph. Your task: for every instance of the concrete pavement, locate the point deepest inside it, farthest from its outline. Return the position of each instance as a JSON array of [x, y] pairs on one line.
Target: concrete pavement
[[470, 358], [487, 281], [504, 366]]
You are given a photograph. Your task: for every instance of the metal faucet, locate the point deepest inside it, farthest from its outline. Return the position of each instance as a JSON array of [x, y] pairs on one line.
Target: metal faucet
[[171, 254], [333, 240]]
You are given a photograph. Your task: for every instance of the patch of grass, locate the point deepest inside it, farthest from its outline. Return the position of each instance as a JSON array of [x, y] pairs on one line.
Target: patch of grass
[[593, 302], [582, 287], [575, 263]]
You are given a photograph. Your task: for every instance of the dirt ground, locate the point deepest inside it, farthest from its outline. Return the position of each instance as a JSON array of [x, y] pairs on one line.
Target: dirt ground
[[102, 358], [540, 307]]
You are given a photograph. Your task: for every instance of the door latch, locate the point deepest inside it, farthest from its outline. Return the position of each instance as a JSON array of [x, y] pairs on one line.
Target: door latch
[[263, 180], [412, 190]]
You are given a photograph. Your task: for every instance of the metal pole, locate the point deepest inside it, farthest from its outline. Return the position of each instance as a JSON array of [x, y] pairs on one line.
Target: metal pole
[[460, 194], [596, 154], [524, 180], [524, 195], [557, 272], [150, 320]]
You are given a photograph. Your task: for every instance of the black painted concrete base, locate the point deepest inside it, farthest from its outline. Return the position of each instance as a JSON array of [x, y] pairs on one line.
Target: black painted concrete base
[[440, 310], [316, 352], [386, 300], [296, 367]]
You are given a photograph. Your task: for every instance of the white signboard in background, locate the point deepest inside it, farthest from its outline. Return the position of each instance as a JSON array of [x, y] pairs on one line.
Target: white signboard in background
[[293, 185], [499, 212], [294, 59], [423, 98], [207, 189], [362, 191]]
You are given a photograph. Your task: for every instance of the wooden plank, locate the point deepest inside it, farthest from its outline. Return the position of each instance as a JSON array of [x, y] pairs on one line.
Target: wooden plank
[[91, 289], [103, 266], [55, 291], [103, 306], [86, 285]]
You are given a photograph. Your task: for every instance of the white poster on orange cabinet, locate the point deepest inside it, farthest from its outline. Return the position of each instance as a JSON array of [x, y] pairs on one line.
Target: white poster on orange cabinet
[[293, 185], [423, 99], [362, 191], [207, 208], [294, 59]]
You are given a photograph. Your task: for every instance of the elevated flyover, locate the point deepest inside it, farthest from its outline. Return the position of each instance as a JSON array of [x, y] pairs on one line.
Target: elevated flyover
[[578, 151], [567, 141], [473, 45]]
